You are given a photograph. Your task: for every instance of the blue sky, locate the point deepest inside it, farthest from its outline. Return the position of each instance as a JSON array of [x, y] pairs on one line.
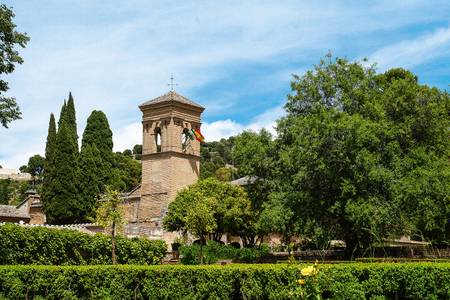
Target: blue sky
[[233, 57]]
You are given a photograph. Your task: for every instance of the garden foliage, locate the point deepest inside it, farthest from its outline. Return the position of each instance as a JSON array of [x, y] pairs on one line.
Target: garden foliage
[[359, 156], [209, 207], [45, 246], [342, 281], [10, 40], [214, 251]]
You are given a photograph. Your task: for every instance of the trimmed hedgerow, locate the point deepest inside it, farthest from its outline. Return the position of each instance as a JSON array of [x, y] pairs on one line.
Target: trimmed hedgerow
[[213, 251], [346, 281], [44, 246]]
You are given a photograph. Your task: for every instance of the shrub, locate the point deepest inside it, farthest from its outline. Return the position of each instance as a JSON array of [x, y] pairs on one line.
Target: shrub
[[213, 251], [345, 281], [40, 245], [249, 255]]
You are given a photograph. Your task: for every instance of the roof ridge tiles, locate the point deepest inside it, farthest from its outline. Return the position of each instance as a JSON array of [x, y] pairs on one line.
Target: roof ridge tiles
[[171, 96]]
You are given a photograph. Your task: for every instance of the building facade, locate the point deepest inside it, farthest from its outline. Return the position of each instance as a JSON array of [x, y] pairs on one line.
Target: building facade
[[29, 211], [170, 162]]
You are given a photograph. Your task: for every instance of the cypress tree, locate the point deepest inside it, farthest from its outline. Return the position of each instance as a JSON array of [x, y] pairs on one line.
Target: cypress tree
[[61, 202], [64, 206], [51, 138], [98, 133], [90, 184], [71, 118], [62, 114], [50, 149]]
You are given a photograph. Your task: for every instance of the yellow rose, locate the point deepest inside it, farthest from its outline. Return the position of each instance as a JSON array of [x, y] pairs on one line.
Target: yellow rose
[[301, 281], [308, 271]]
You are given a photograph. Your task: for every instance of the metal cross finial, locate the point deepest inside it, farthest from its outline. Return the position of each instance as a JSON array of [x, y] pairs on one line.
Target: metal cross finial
[[171, 84]]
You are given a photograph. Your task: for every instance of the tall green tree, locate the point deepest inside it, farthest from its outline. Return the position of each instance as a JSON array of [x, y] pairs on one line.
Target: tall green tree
[[49, 165], [10, 39], [255, 155], [351, 150], [70, 116], [98, 133], [90, 185], [62, 206], [62, 114]]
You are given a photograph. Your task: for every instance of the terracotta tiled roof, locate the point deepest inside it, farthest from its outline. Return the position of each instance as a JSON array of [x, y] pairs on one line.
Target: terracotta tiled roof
[[12, 211], [171, 96]]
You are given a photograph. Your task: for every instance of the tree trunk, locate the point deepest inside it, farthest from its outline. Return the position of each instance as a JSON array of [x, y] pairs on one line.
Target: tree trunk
[[260, 239], [113, 243], [351, 242], [201, 249], [217, 236]]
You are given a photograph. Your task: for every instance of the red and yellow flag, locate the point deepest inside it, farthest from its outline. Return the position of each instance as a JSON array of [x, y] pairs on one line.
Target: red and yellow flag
[[198, 135]]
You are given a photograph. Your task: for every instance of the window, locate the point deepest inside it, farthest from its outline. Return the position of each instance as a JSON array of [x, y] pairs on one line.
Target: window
[[158, 139], [185, 139]]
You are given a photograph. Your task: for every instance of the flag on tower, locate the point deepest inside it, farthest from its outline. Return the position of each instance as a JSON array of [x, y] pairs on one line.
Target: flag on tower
[[190, 134], [198, 135]]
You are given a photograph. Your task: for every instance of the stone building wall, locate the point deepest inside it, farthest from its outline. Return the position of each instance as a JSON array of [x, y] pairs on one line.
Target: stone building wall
[[166, 168]]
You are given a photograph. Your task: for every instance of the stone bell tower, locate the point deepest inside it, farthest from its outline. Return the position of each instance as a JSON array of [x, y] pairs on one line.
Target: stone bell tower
[[170, 160]]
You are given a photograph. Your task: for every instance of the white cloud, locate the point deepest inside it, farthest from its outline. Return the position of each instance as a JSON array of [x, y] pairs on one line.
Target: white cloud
[[413, 52], [221, 129], [16, 160], [128, 136], [113, 57], [131, 134], [217, 130]]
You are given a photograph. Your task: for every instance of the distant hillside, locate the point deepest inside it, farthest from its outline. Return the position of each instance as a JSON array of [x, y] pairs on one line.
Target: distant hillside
[[215, 156]]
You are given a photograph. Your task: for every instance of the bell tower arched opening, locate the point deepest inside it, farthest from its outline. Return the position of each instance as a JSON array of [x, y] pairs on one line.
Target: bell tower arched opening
[[158, 139]]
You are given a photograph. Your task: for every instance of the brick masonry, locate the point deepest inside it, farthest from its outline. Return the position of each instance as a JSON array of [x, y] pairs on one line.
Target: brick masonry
[[167, 165]]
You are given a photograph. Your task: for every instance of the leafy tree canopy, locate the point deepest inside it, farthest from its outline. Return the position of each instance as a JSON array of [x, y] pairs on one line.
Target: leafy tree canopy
[[125, 173], [137, 151], [110, 214], [364, 155], [35, 165], [13, 192], [9, 41], [214, 156], [228, 205]]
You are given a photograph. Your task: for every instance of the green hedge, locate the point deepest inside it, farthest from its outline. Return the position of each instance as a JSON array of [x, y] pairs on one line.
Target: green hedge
[[40, 245], [346, 281], [213, 251]]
